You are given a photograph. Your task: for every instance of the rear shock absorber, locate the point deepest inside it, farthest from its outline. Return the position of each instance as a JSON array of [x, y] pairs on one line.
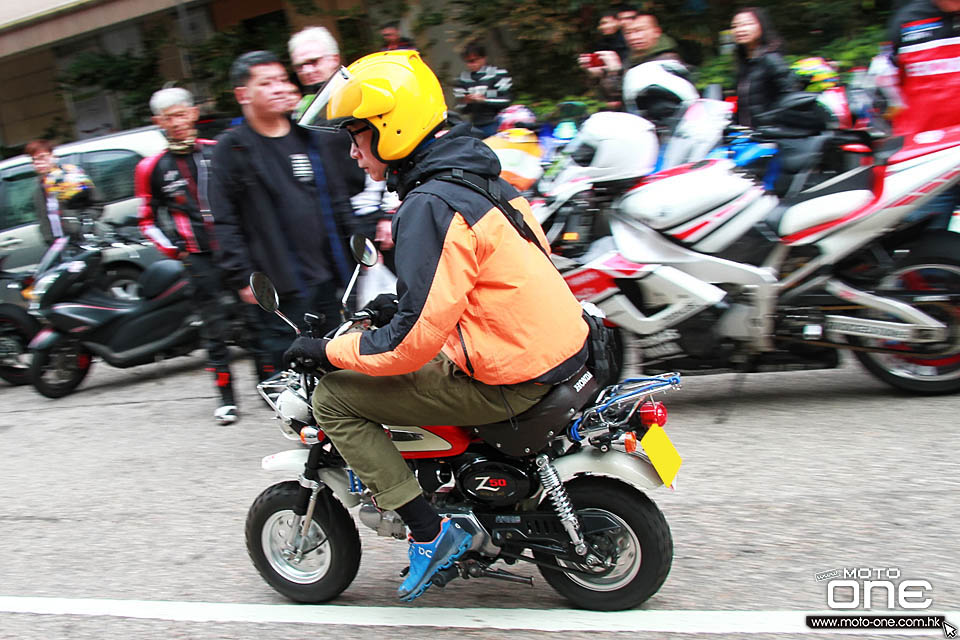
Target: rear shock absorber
[[554, 488]]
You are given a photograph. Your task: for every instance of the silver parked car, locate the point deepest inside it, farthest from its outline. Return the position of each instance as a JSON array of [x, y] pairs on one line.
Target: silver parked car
[[110, 162]]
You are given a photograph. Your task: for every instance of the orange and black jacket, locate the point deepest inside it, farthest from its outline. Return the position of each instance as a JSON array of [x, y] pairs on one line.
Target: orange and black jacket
[[468, 283]]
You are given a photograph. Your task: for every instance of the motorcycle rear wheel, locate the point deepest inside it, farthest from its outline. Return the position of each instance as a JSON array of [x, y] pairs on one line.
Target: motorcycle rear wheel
[[58, 371], [933, 267], [644, 549], [333, 551], [17, 328]]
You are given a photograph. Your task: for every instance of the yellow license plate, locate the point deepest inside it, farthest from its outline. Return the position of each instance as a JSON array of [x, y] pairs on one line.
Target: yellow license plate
[[656, 444]]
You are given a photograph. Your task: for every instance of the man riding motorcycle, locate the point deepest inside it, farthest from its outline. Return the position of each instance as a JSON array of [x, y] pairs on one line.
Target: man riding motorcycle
[[484, 324]]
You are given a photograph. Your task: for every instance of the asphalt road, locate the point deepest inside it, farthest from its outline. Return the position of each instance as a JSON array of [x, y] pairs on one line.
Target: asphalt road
[[126, 490]]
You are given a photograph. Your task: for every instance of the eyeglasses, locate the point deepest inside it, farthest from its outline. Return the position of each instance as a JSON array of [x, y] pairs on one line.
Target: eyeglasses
[[312, 62], [353, 133]]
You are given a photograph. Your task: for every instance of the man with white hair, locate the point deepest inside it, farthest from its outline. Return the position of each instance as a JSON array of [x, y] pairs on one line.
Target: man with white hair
[[315, 55], [174, 183]]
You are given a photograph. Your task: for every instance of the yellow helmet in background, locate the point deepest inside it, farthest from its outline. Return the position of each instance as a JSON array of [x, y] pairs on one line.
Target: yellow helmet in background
[[519, 152], [397, 93]]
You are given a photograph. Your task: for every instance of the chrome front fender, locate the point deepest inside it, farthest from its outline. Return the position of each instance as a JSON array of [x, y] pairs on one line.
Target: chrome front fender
[[292, 461], [614, 464]]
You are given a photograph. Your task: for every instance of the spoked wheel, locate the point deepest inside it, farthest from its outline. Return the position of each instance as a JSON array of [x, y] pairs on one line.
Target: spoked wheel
[[330, 556], [637, 554], [57, 371], [937, 369], [17, 328]]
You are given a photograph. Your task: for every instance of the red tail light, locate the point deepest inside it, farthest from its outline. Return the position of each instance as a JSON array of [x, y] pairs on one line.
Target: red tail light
[[652, 412]]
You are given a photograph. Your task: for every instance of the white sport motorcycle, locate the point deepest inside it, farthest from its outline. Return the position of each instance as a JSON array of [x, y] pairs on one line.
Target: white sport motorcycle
[[713, 274]]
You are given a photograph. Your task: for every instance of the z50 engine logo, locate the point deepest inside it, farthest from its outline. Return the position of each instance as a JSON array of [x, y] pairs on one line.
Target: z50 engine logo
[[490, 484]]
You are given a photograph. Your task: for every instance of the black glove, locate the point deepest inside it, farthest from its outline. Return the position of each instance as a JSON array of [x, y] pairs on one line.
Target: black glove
[[308, 354], [382, 308]]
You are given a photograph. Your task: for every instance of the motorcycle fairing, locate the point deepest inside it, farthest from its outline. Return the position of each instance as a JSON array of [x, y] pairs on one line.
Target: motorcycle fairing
[[901, 189], [429, 442], [95, 310]]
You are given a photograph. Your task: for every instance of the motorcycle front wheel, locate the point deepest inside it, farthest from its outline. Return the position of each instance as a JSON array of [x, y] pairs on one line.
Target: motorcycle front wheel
[[641, 548], [931, 270], [331, 555], [57, 371], [17, 328]]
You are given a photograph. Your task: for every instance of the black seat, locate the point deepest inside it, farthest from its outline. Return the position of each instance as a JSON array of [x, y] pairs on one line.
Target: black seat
[[536, 426], [159, 277]]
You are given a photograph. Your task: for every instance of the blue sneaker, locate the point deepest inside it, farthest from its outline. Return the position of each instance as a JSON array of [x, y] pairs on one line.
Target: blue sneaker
[[427, 558]]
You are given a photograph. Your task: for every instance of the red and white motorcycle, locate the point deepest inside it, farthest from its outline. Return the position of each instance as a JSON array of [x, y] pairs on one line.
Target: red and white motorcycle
[[564, 487], [713, 274]]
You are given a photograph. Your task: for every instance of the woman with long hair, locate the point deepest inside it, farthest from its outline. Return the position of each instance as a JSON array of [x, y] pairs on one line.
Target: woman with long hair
[[763, 76]]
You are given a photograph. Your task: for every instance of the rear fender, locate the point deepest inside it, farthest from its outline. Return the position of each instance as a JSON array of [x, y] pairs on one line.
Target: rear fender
[[292, 461], [632, 470], [46, 339]]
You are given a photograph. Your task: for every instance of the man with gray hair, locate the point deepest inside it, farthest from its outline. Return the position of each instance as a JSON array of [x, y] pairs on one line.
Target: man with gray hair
[[315, 56], [174, 183]]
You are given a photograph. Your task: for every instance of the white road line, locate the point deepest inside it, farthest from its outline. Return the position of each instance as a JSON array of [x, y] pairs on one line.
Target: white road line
[[683, 621]]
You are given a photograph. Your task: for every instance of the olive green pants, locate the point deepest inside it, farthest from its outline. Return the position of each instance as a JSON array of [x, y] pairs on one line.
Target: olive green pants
[[352, 408]]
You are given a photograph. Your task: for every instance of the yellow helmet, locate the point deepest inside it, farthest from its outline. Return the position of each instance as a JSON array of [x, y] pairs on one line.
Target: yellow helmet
[[394, 91]]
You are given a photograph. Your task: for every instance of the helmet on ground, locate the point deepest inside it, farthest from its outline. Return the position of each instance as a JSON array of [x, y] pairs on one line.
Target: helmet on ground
[[612, 146], [395, 92], [657, 90], [815, 74], [516, 116]]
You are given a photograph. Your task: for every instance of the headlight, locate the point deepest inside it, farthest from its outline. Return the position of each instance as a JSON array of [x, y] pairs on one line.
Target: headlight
[[292, 407]]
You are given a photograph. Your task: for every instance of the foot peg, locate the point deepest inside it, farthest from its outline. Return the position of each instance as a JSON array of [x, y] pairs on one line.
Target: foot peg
[[442, 577], [477, 570]]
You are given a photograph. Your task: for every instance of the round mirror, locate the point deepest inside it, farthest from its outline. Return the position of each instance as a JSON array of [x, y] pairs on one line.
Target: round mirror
[[363, 249], [264, 291]]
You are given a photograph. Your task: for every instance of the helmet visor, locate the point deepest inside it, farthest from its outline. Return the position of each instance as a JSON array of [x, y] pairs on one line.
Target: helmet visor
[[322, 112]]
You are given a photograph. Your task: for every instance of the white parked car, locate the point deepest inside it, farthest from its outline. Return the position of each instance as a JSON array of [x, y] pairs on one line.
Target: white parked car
[[110, 162]]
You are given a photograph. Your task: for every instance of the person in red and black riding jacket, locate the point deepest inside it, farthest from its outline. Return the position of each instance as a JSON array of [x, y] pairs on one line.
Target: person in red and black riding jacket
[[926, 51], [174, 183]]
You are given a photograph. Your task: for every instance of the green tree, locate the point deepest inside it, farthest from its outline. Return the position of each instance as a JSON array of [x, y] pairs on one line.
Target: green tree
[[131, 77]]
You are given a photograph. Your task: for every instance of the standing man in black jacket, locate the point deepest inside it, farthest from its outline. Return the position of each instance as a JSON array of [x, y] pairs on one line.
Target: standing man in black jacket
[[278, 197]]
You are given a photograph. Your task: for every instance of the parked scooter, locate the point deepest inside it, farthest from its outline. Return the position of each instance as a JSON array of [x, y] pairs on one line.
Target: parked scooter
[[82, 321], [564, 488], [17, 327]]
